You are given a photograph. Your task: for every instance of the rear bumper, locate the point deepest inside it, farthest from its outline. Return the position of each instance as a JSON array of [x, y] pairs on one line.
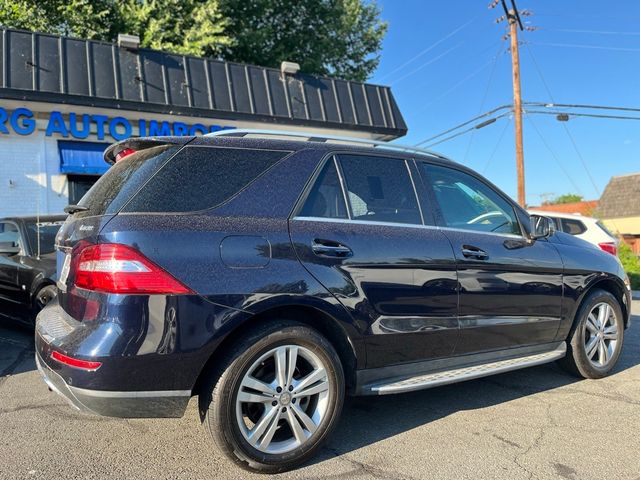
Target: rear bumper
[[140, 404]]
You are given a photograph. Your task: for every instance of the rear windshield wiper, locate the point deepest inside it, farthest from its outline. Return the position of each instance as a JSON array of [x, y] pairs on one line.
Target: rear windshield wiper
[[71, 209]]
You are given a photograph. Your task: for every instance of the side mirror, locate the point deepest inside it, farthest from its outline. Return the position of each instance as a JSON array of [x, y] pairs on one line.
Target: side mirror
[[9, 248], [541, 227]]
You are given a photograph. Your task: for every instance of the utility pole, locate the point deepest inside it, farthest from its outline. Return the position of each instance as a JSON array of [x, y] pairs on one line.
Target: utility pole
[[513, 17]]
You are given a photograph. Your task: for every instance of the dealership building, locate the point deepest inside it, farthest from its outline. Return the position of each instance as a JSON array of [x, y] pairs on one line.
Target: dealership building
[[64, 100]]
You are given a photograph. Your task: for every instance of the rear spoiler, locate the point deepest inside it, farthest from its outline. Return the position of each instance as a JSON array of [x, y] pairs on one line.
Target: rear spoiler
[[137, 144]]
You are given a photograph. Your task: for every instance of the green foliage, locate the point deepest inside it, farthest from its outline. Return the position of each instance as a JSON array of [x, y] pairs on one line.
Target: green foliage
[[566, 198], [341, 38], [189, 27], [631, 264], [78, 18]]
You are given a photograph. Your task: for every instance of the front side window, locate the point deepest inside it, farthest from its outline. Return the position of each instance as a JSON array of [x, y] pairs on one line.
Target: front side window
[[379, 189], [467, 203]]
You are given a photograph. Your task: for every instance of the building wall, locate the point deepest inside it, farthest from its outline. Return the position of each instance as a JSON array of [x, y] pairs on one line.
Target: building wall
[[30, 179], [624, 225]]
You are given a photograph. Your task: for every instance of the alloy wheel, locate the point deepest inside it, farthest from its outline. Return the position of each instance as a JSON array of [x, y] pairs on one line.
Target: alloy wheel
[[601, 334], [283, 399]]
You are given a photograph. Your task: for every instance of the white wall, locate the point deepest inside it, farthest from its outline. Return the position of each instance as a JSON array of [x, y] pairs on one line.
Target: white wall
[[30, 178]]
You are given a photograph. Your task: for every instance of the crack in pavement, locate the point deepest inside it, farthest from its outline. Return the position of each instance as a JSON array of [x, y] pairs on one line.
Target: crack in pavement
[[362, 468], [13, 366]]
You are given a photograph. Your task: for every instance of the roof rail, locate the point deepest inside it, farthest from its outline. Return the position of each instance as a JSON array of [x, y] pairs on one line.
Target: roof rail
[[313, 137]]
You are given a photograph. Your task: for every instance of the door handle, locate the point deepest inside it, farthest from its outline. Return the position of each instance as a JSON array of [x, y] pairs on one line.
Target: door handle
[[469, 251], [328, 248]]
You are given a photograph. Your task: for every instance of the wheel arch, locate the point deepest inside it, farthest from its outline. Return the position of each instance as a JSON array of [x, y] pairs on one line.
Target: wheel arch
[[324, 320], [615, 287]]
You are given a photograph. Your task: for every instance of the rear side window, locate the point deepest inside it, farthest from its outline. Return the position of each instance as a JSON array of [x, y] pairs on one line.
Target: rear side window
[[380, 189], [571, 226], [123, 180], [198, 178], [325, 199]]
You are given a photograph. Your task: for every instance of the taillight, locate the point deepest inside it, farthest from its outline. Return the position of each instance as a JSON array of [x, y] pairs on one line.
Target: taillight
[[609, 247], [75, 362], [116, 268], [124, 153]]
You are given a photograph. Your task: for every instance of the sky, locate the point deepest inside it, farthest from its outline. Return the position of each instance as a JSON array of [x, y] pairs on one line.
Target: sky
[[446, 63]]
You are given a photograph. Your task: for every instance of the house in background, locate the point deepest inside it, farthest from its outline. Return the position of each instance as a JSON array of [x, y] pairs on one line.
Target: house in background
[[585, 208], [619, 208]]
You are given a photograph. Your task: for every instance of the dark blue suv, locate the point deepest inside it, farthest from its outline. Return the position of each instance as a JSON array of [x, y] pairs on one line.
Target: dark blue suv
[[271, 275]]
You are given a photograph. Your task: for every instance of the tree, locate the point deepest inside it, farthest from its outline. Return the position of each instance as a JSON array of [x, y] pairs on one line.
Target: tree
[[339, 38], [566, 198]]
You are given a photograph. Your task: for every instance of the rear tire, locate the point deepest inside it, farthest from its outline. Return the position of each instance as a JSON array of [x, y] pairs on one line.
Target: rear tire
[[275, 397], [41, 299], [595, 341]]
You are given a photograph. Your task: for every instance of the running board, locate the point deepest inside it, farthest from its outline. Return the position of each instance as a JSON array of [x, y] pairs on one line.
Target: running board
[[455, 375]]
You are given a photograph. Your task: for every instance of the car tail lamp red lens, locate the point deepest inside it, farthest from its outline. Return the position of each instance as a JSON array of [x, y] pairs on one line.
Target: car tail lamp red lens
[[117, 268], [75, 362], [609, 247], [124, 153]]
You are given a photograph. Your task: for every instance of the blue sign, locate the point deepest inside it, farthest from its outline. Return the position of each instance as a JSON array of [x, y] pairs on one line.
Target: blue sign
[[80, 126]]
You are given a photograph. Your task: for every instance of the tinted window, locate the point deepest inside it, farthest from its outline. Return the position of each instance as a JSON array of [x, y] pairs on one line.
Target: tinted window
[[574, 227], [123, 180], [380, 189], [9, 235], [198, 178], [469, 204], [325, 198], [47, 232]]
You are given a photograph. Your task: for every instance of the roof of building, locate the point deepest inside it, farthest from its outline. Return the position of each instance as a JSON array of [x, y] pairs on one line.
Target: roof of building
[[621, 197], [586, 207], [50, 68]]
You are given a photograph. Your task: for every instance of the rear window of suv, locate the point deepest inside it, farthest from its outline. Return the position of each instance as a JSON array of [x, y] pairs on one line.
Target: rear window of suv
[[123, 180], [198, 178]]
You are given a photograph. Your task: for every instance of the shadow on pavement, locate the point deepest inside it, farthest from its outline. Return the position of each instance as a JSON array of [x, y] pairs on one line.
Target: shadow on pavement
[[367, 420], [16, 349]]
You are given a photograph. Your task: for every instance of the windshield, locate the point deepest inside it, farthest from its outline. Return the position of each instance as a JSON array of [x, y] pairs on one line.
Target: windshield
[[47, 232]]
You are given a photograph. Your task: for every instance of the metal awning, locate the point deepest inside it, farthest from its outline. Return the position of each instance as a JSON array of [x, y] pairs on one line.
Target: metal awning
[[54, 69]]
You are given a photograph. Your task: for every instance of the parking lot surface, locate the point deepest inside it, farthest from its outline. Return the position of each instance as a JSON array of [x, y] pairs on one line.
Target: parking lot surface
[[533, 423]]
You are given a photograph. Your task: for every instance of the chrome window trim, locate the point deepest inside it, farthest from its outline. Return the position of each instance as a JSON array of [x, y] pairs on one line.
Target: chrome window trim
[[405, 225]]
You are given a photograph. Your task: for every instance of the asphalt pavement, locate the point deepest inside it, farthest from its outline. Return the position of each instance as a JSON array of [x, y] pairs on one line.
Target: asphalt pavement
[[533, 423]]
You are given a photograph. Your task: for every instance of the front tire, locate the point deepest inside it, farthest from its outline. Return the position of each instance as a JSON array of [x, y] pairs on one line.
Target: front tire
[[275, 398], [595, 341]]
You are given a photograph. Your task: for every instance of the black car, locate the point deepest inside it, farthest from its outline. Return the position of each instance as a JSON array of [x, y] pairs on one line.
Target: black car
[[272, 276], [28, 263]]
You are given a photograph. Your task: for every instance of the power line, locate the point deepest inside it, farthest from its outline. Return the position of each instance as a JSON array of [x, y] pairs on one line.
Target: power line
[[427, 63], [495, 149], [583, 105], [475, 127], [589, 115], [484, 99], [456, 85], [592, 32], [428, 49], [579, 45], [463, 124], [553, 154], [564, 125]]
